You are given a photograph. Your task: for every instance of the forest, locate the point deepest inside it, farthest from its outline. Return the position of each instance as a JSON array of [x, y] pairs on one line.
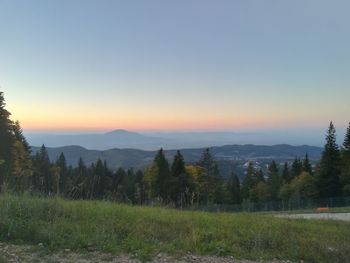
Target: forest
[[176, 183]]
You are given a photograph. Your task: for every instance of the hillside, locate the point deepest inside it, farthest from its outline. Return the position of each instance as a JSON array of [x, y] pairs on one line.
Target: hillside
[[144, 232]]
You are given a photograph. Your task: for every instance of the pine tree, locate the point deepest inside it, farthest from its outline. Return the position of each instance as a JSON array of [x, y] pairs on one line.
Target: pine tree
[[249, 181], [42, 179], [118, 178], [345, 164], [140, 186], [307, 165], [129, 187], [252, 179], [297, 168], [80, 181], [7, 140], [182, 185], [55, 179], [260, 176], [211, 179], [286, 174], [327, 176], [61, 163], [18, 133], [346, 143], [274, 181], [178, 165], [14, 150], [207, 162], [101, 180], [273, 167], [234, 189], [158, 177]]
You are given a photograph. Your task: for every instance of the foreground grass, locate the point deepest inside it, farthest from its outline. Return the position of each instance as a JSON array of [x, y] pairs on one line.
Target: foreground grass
[[143, 232]]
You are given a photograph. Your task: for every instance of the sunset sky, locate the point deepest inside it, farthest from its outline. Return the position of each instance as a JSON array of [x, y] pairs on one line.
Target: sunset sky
[[175, 65]]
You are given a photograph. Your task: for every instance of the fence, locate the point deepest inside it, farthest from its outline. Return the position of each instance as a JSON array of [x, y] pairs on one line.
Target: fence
[[306, 204]]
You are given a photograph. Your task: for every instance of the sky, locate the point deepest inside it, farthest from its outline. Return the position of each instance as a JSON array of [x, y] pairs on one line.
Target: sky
[[184, 65]]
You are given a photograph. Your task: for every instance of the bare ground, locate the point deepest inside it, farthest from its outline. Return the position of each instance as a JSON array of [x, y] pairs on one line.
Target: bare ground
[[28, 254]]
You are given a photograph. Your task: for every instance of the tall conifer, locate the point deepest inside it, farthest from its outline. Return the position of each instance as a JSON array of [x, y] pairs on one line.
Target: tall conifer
[[307, 165], [327, 176], [346, 143]]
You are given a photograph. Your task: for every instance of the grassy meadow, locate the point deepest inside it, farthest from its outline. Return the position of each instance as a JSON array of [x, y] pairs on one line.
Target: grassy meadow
[[144, 231]]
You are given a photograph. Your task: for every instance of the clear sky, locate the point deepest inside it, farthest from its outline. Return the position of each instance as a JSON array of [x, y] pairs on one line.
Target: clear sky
[[176, 65]]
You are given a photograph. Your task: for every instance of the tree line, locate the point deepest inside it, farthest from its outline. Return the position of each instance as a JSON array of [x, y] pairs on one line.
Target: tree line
[[177, 184]]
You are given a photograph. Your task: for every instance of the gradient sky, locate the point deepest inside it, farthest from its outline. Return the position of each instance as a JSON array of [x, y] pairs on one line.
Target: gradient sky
[[176, 65]]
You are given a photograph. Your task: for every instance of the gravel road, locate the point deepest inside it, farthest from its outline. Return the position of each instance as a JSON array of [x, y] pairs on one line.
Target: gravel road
[[29, 254]]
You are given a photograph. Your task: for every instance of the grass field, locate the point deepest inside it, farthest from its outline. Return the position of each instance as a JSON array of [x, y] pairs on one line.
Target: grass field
[[144, 231]]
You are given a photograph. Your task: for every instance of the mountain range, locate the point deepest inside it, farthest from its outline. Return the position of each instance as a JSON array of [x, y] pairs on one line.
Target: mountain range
[[171, 140]]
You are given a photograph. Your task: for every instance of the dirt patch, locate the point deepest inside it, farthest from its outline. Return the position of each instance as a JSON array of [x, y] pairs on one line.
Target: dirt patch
[[29, 254]]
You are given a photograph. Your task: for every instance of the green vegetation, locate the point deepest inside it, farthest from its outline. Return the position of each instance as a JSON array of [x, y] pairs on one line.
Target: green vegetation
[[145, 231]]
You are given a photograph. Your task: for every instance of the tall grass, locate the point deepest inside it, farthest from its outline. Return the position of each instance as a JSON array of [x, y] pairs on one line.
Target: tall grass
[[145, 231]]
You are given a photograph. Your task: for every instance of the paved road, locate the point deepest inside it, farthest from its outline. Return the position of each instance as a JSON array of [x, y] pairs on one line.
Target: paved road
[[325, 216]]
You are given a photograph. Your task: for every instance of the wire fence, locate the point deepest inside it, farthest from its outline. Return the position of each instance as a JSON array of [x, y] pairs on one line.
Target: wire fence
[[291, 205]]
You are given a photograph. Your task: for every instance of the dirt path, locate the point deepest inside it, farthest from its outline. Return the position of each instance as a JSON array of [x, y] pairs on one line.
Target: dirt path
[[324, 216], [28, 254]]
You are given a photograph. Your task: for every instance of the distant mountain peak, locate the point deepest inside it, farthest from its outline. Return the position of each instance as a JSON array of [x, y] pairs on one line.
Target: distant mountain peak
[[120, 131]]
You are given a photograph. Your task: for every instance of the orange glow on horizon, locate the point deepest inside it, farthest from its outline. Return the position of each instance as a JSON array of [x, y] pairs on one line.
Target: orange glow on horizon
[[81, 119], [135, 124]]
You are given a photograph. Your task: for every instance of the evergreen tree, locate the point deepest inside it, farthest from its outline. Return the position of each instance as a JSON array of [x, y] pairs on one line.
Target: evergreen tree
[[45, 172], [249, 181], [182, 185], [260, 176], [178, 165], [140, 188], [63, 173], [274, 181], [345, 164], [234, 189], [207, 162], [55, 179], [286, 177], [7, 140], [101, 180], [158, 177], [42, 174], [346, 143], [18, 133], [128, 187], [118, 178], [307, 165], [15, 163], [273, 167], [210, 178], [327, 176], [79, 181], [297, 168]]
